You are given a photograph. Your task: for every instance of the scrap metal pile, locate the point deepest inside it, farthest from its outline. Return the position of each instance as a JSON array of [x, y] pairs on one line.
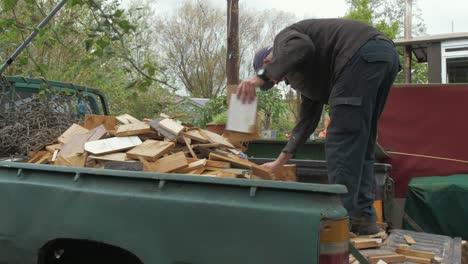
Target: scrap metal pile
[[32, 125], [161, 145]]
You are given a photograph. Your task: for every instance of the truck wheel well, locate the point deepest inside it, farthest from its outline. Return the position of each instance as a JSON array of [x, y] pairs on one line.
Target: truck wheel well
[[74, 251]]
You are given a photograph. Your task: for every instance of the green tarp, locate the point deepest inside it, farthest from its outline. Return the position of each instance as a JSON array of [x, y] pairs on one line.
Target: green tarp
[[438, 205]]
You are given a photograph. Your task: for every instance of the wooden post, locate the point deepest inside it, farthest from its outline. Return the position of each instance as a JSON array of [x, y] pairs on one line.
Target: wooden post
[[232, 59], [408, 52]]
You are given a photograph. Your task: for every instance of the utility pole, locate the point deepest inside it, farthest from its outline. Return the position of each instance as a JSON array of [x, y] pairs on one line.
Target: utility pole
[[407, 53], [232, 58]]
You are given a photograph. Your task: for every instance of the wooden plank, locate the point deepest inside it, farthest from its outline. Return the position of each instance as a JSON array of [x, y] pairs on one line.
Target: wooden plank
[[110, 145], [127, 119], [215, 138], [415, 253], [229, 170], [54, 147], [123, 165], [418, 260], [92, 121], [74, 129], [155, 125], [409, 239], [390, 258], [287, 172], [189, 147], [150, 150], [366, 244], [193, 166], [195, 135], [155, 135], [76, 145], [238, 163], [119, 156], [72, 161], [54, 156], [198, 171], [168, 163], [44, 159], [218, 164], [171, 126], [38, 156], [133, 129]]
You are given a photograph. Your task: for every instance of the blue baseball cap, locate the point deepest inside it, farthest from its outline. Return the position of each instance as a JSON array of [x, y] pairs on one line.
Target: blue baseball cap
[[260, 55]]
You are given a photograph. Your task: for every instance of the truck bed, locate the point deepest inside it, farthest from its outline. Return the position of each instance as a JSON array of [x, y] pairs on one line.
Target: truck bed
[[163, 218]]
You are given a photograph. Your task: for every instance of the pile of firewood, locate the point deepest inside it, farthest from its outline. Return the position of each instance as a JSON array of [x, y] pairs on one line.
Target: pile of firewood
[[162, 145], [401, 253]]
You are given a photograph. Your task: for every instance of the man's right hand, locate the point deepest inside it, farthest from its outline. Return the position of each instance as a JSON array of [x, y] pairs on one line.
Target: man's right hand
[[246, 89], [274, 166]]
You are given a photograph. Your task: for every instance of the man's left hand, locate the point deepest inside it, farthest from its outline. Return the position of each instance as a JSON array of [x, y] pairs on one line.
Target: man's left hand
[[246, 89]]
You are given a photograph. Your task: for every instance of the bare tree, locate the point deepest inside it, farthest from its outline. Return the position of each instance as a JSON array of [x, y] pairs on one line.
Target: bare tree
[[193, 43]]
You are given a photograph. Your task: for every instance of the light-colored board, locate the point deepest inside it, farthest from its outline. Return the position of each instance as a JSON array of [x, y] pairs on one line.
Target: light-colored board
[[198, 171], [415, 253], [215, 138], [409, 239], [44, 159], [287, 172], [366, 244], [171, 126], [110, 145], [193, 166], [76, 145], [127, 119], [390, 258], [195, 135], [150, 150], [74, 129], [54, 156], [119, 156], [168, 163], [37, 156], [72, 161], [92, 121], [418, 260], [229, 170], [231, 158], [166, 134], [218, 164], [241, 116], [187, 142], [132, 129], [54, 147]]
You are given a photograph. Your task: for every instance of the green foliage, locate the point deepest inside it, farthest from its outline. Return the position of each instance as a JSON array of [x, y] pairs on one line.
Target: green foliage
[[363, 10], [214, 107], [220, 118], [90, 42], [271, 107]]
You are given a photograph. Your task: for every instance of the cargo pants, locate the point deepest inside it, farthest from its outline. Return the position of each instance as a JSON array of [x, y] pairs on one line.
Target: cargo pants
[[356, 103]]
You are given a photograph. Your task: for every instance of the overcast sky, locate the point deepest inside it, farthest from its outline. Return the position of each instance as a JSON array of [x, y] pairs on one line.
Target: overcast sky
[[438, 15]]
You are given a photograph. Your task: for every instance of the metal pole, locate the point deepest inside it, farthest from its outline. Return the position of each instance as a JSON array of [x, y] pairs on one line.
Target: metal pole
[[31, 36], [408, 50], [232, 59]]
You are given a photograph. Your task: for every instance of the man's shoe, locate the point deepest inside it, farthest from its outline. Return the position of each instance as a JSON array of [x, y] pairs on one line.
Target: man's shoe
[[362, 226], [366, 229]]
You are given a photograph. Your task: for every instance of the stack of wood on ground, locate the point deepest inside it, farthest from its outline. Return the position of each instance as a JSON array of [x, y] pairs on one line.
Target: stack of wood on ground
[[403, 253], [161, 145]]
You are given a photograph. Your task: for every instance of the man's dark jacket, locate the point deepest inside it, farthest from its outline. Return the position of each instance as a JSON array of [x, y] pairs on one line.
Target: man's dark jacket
[[310, 55]]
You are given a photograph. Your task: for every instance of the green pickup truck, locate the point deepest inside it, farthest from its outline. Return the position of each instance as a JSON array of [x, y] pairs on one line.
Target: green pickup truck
[[53, 214]]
